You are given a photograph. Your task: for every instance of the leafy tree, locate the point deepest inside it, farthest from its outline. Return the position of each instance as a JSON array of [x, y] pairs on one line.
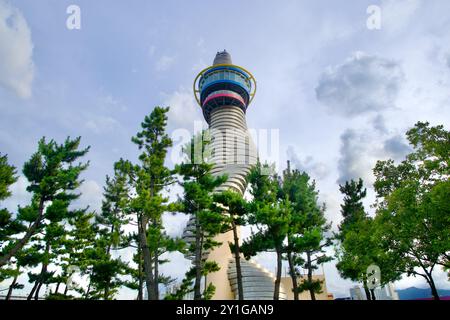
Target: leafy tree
[[359, 244], [412, 204]]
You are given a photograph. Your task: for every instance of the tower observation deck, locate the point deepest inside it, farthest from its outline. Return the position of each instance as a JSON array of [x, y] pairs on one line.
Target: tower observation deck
[[224, 84]]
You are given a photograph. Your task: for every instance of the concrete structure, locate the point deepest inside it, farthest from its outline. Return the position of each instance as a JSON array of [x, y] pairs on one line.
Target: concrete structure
[[384, 293], [224, 92]]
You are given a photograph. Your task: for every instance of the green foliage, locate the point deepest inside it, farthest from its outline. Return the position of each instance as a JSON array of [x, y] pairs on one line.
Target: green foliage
[[53, 177], [269, 215], [289, 221], [198, 201], [8, 225], [150, 178], [412, 204], [352, 209], [359, 240], [7, 177], [306, 236]]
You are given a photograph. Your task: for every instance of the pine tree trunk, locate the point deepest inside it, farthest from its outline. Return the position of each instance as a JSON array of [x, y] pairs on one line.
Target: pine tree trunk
[[293, 276], [198, 260], [156, 264], [40, 281], [366, 290], [140, 282], [11, 287], [237, 259], [108, 251], [29, 233], [43, 270], [39, 278], [148, 265], [88, 291], [372, 294], [57, 287], [310, 277], [106, 293], [276, 292], [33, 290], [36, 295]]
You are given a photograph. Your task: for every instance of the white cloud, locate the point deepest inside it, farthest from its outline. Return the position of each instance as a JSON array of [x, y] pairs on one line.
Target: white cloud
[[397, 15], [360, 150], [19, 195], [174, 224], [164, 63], [101, 124], [151, 50], [16, 51], [356, 159], [363, 83], [91, 195], [184, 111], [316, 169], [109, 102], [333, 207], [397, 147]]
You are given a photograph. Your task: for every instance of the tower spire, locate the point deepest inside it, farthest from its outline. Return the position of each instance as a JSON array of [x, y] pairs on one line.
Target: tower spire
[[222, 57]]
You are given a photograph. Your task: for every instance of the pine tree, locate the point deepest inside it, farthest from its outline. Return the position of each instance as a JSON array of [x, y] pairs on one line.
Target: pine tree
[[353, 234], [306, 240], [151, 177], [198, 186], [53, 177], [269, 215], [352, 209], [8, 176], [111, 221], [235, 210], [9, 226]]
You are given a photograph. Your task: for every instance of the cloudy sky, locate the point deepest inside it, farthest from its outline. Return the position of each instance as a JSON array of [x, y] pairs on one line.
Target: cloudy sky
[[340, 94]]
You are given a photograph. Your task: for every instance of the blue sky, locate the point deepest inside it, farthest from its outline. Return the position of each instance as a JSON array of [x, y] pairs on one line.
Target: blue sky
[[340, 95]]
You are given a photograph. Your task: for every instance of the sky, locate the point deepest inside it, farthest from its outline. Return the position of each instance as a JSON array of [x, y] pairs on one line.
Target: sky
[[337, 87]]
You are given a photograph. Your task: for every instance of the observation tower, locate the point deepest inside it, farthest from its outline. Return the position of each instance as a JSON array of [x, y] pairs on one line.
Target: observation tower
[[224, 91]]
